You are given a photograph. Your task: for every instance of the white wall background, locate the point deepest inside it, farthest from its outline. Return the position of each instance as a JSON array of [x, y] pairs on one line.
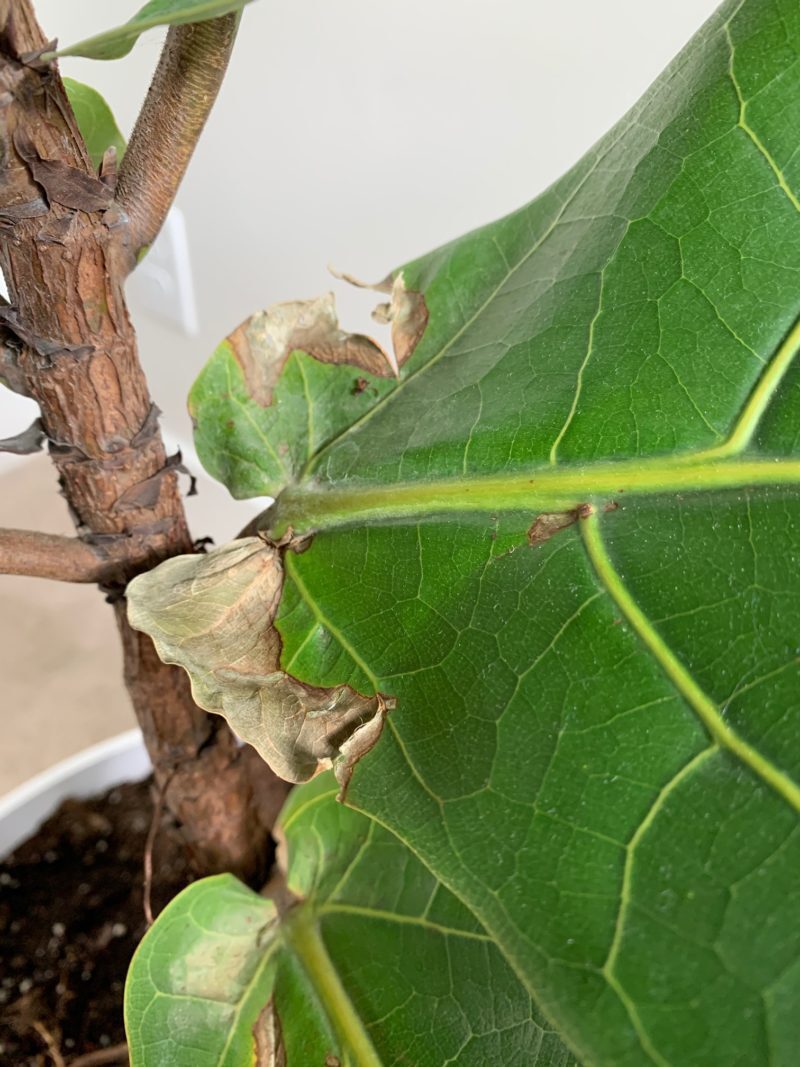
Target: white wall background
[[362, 133]]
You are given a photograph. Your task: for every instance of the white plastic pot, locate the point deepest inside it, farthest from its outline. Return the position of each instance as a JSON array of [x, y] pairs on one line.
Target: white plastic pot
[[119, 759]]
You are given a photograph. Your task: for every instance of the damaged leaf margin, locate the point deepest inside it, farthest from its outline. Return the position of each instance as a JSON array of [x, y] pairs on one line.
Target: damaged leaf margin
[[264, 342], [289, 380], [213, 616]]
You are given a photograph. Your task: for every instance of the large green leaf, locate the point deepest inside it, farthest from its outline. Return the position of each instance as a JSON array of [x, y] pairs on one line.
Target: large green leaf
[[220, 976], [117, 42], [596, 743], [95, 121]]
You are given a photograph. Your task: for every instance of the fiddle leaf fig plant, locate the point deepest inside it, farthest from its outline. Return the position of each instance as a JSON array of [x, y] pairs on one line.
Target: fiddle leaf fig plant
[[559, 538], [521, 625]]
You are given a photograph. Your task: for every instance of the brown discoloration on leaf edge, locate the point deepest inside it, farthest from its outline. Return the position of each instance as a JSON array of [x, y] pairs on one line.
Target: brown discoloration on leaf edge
[[407, 313], [263, 343]]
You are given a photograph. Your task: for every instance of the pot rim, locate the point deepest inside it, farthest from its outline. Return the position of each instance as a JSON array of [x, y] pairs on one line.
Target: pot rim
[[107, 763]]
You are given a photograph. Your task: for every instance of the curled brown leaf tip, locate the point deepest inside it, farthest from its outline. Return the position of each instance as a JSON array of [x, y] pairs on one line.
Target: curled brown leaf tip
[[359, 743], [406, 312], [214, 616]]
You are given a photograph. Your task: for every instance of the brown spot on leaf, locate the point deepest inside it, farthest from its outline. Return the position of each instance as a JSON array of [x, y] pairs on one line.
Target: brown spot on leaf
[[549, 523], [213, 615]]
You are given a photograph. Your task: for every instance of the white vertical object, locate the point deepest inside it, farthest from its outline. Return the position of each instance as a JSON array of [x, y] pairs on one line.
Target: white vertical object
[[162, 283]]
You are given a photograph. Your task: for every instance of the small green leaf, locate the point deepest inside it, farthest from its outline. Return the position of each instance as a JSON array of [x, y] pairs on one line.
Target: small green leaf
[[375, 963], [201, 977], [116, 43], [95, 121]]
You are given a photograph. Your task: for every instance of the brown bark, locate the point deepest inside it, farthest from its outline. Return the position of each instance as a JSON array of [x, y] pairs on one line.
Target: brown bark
[[65, 252], [223, 793], [65, 559]]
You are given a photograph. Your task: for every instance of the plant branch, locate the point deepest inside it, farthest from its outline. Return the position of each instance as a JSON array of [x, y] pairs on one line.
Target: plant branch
[[183, 91], [41, 555]]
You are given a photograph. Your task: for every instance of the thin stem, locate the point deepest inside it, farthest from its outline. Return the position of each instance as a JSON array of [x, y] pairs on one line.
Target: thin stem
[[65, 559], [183, 91], [152, 833], [102, 1057]]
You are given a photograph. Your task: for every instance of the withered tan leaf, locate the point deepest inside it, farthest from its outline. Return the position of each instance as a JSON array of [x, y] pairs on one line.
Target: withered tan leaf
[[213, 615]]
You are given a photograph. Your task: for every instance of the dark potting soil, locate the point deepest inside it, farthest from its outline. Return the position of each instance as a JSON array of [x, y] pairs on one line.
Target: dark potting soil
[[71, 914]]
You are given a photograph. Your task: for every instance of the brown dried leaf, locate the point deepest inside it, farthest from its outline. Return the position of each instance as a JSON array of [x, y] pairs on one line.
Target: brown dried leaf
[[213, 615]]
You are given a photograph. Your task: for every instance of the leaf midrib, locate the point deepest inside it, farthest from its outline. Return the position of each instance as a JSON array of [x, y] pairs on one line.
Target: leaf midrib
[[538, 489], [304, 941]]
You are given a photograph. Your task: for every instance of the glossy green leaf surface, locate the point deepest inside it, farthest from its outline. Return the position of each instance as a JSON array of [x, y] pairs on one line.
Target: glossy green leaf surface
[[117, 42], [95, 120], [596, 744], [217, 958]]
